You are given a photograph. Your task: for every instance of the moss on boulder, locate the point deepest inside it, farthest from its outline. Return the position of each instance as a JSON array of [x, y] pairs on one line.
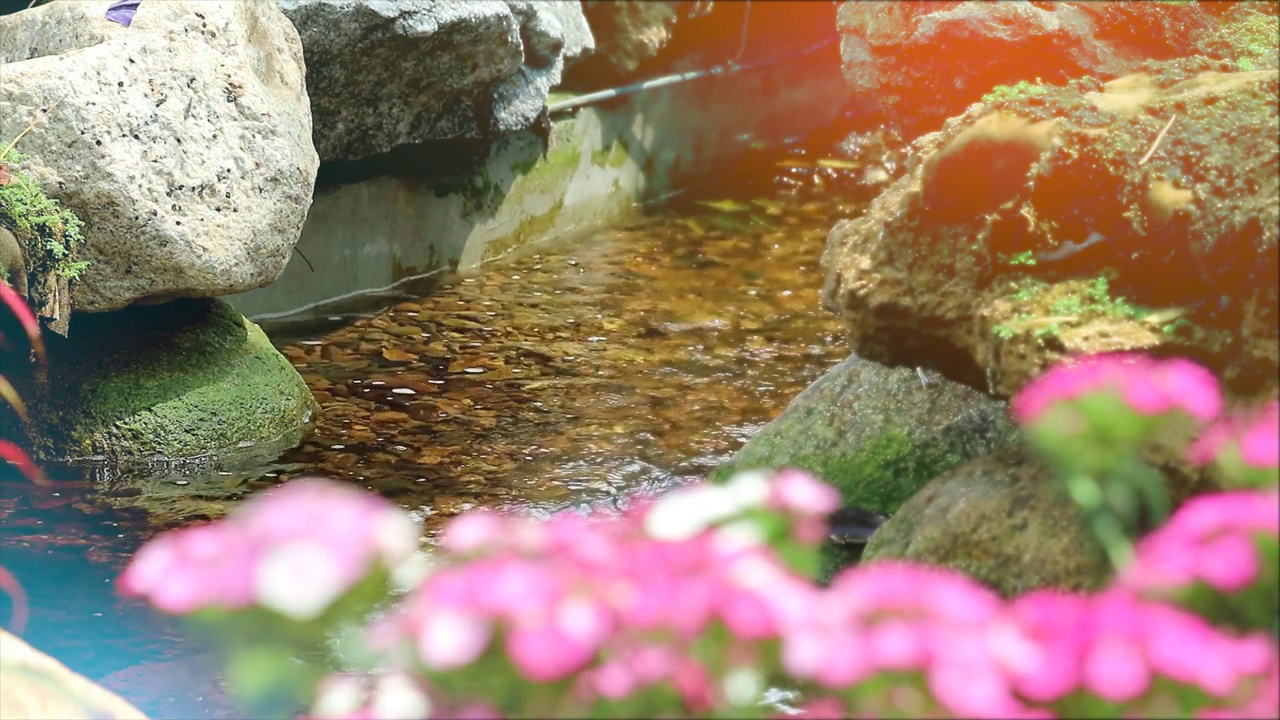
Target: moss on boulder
[[877, 434], [1001, 519], [1135, 215], [178, 380]]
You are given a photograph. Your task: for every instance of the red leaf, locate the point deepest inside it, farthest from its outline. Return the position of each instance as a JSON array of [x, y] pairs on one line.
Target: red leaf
[[13, 454], [18, 306], [5, 177], [9, 584]]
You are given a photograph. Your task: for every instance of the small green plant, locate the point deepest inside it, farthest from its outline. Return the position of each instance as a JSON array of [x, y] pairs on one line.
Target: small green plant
[[36, 216], [39, 220], [1048, 331], [1099, 292], [1028, 289], [1026, 257], [1069, 305], [1017, 91]]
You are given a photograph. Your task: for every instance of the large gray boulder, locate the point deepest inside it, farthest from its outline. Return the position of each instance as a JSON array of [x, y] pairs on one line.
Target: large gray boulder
[[878, 433], [384, 73], [183, 141]]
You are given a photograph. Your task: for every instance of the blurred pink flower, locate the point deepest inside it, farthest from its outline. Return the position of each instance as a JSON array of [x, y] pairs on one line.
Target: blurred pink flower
[[475, 531], [542, 653], [1210, 538], [1255, 435], [1149, 386], [203, 566], [391, 695], [1115, 670], [294, 549], [1260, 446], [448, 638], [796, 491], [1058, 624], [896, 644]]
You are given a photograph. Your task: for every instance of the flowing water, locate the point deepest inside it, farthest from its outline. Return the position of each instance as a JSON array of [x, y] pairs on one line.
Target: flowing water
[[628, 361]]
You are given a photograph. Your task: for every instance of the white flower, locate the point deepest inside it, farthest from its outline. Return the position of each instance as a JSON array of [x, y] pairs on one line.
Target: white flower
[[750, 488], [398, 697], [338, 696], [682, 514], [743, 686], [298, 579]]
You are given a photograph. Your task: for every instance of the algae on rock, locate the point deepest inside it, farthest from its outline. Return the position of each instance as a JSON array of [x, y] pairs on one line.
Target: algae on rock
[[1003, 520], [183, 379], [877, 434], [49, 238], [1164, 182]]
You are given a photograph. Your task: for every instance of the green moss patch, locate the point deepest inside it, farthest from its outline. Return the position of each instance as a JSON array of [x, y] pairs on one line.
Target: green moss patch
[[178, 380], [877, 434]]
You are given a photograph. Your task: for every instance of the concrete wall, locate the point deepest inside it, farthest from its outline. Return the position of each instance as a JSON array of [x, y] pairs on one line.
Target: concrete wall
[[401, 232]]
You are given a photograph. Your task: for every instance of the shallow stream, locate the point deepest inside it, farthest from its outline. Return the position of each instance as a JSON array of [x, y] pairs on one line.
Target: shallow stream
[[627, 361]]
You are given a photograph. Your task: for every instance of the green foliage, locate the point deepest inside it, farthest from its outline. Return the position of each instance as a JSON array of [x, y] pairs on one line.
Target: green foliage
[[1099, 296], [42, 222], [1025, 257], [1011, 93], [1037, 299]]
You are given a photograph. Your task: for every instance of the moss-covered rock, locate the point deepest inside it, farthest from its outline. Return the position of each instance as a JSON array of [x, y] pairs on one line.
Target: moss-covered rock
[[1001, 519], [878, 434], [1055, 220], [182, 379], [919, 63]]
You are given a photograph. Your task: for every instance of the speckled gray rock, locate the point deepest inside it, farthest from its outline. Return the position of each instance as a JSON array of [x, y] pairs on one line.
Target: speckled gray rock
[[878, 433], [1001, 519], [183, 141], [384, 73]]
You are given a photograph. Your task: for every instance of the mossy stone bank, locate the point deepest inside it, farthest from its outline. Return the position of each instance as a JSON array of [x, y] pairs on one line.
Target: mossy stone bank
[[184, 379]]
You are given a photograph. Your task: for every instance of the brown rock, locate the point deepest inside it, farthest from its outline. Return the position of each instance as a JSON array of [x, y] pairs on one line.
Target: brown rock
[[1002, 520]]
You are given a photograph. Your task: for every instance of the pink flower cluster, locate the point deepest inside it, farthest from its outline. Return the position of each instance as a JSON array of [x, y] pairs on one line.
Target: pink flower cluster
[[605, 604], [903, 618], [686, 595], [980, 657], [1117, 646], [1254, 436], [295, 550], [1211, 539], [557, 593], [1146, 385]]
